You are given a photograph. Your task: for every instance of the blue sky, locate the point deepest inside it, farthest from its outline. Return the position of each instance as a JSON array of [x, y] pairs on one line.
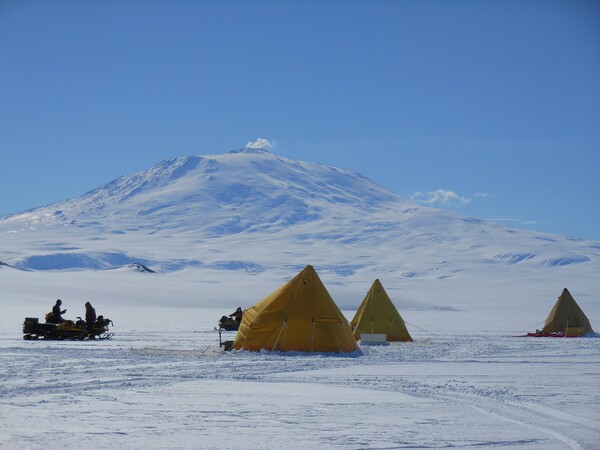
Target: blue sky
[[489, 108]]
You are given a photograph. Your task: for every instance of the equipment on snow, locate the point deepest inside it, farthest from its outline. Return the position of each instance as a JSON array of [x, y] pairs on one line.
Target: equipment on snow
[[232, 321], [570, 333], [227, 345], [66, 330], [228, 324]]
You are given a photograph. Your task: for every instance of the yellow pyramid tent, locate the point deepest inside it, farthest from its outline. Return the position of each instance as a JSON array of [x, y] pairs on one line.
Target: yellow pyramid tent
[[567, 317], [378, 315], [299, 316]]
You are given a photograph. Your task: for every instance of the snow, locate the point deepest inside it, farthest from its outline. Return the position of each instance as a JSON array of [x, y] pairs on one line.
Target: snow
[[163, 382], [223, 231]]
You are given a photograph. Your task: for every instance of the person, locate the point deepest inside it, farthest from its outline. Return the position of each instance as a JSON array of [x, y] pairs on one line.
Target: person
[[90, 315], [237, 315], [57, 313]]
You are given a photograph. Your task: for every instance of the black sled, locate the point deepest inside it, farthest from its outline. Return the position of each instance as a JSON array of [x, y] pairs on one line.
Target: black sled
[[66, 330]]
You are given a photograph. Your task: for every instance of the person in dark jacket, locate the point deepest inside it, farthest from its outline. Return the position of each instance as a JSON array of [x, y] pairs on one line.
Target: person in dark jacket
[[237, 315], [90, 315], [57, 313]]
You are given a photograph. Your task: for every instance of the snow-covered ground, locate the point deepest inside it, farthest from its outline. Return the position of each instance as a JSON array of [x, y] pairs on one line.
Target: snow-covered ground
[[161, 382]]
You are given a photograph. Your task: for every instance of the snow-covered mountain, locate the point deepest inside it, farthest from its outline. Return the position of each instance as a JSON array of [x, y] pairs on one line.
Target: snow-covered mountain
[[254, 211]]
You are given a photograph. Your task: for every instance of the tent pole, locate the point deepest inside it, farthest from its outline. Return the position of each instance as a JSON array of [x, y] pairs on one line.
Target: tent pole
[[283, 328]]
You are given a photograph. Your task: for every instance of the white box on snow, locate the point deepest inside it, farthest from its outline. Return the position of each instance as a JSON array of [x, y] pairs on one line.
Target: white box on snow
[[373, 339]]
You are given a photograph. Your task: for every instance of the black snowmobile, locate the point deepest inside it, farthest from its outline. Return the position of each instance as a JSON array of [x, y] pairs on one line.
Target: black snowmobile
[[66, 330], [228, 323], [232, 321]]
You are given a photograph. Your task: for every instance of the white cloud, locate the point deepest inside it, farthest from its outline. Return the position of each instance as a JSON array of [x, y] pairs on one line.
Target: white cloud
[[260, 143], [439, 197]]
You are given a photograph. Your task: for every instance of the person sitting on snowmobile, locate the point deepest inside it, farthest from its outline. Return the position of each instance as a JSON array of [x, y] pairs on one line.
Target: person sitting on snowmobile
[[237, 315], [90, 316], [57, 313]]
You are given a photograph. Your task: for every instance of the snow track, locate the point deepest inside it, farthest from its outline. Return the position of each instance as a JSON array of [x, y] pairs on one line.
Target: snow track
[[176, 390], [480, 389], [565, 429]]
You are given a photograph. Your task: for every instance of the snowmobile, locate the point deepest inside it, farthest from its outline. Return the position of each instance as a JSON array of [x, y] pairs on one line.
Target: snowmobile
[[232, 321], [66, 330], [228, 323]]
